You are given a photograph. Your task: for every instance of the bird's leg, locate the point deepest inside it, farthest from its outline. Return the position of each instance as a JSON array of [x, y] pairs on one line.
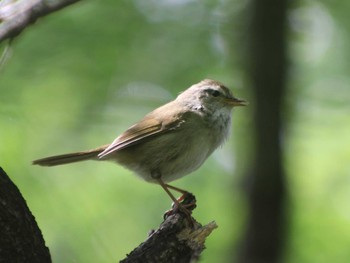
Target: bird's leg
[[185, 195], [183, 192], [166, 189], [185, 206]]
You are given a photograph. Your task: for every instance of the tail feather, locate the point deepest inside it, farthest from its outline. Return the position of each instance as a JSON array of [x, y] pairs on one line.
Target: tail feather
[[69, 157]]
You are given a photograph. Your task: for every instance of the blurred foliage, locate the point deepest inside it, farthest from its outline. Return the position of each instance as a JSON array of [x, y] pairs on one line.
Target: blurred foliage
[[79, 77]]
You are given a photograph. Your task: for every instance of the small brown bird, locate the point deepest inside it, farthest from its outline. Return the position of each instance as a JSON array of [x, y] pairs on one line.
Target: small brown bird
[[171, 141]]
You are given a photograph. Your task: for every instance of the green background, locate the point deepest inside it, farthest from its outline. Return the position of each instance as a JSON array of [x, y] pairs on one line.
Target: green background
[[78, 78]]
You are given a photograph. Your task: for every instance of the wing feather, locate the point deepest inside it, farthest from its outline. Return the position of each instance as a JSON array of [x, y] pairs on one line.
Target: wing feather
[[153, 124], [135, 134]]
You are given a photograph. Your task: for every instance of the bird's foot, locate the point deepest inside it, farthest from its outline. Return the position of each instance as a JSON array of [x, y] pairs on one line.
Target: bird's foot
[[185, 204]]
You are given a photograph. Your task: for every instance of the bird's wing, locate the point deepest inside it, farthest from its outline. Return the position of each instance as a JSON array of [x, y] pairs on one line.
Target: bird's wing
[[141, 131]]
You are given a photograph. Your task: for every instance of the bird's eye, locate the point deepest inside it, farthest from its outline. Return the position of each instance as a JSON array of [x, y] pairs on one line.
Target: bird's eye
[[215, 93]]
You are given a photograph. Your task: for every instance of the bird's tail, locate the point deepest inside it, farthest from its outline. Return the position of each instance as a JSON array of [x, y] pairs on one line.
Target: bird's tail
[[70, 157]]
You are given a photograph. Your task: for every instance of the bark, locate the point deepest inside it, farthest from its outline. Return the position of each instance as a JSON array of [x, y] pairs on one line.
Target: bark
[[177, 240], [21, 239]]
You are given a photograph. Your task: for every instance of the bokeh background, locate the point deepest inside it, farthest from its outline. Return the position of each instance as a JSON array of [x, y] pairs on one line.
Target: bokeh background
[[79, 77]]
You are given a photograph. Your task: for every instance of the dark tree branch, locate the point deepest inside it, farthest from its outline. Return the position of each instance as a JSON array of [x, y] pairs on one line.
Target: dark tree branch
[[20, 239], [175, 241], [16, 15]]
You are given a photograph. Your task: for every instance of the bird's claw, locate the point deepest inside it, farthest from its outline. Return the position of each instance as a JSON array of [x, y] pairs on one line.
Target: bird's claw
[[186, 204]]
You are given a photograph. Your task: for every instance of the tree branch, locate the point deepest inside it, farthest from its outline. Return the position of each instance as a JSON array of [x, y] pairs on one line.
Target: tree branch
[[15, 16], [176, 241]]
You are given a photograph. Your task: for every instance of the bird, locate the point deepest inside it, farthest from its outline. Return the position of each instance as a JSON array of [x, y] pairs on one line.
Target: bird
[[171, 141]]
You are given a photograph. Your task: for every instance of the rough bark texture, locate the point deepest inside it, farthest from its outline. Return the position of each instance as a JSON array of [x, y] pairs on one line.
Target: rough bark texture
[[175, 241], [16, 15], [20, 239], [265, 235]]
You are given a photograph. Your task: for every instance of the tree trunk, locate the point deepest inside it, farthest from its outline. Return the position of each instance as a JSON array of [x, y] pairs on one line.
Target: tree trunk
[[21, 239], [265, 233]]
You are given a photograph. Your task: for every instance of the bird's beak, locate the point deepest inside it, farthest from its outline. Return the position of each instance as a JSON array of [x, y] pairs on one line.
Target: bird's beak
[[236, 102]]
